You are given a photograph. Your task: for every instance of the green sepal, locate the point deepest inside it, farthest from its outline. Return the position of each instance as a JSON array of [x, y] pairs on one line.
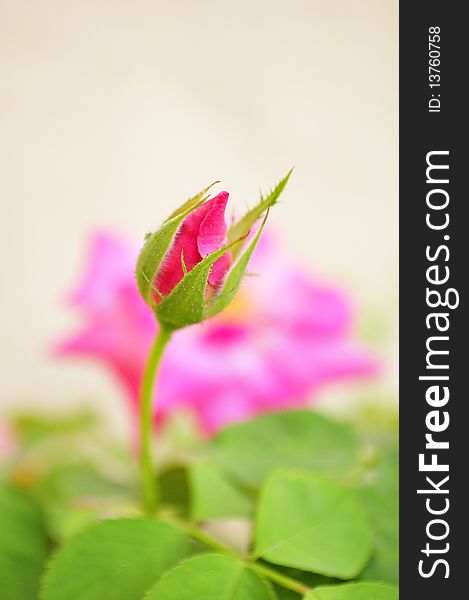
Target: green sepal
[[191, 203], [242, 227], [158, 243], [235, 276], [240, 230], [187, 303]]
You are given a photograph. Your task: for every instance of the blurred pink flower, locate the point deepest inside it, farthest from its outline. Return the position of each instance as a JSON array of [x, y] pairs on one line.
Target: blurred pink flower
[[8, 442], [284, 337]]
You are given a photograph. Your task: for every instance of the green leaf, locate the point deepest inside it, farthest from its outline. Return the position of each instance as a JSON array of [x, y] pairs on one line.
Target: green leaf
[[308, 522], [293, 439], [65, 522], [215, 496], [116, 560], [284, 594], [75, 495], [243, 226], [381, 501], [174, 489], [73, 482], [308, 579], [355, 591], [23, 546], [235, 276], [214, 577], [386, 472], [32, 428], [384, 564], [186, 304]]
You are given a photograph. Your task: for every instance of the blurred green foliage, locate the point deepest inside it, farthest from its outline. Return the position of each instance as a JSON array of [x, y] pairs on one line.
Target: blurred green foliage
[[320, 495]]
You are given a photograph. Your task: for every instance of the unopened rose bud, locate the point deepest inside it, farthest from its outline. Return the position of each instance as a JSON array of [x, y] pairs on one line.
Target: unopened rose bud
[[192, 267]]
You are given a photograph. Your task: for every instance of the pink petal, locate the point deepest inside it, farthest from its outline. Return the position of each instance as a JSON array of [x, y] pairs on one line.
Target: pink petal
[[231, 407], [219, 270], [110, 260], [291, 336], [199, 232], [212, 230]]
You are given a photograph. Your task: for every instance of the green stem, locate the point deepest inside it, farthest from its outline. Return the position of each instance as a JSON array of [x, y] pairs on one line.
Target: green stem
[[149, 483], [282, 580], [201, 536]]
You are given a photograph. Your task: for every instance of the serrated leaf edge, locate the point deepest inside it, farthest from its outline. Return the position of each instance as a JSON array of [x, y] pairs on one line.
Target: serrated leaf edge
[[243, 567]]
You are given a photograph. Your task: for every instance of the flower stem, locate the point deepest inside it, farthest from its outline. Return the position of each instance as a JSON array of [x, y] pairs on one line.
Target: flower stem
[[206, 539], [149, 482], [279, 578]]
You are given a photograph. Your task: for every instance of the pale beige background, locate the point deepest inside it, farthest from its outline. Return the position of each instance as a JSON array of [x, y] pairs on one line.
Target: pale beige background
[[114, 111]]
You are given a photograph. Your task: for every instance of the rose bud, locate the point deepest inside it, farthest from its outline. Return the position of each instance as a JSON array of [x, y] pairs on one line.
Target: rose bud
[[192, 267]]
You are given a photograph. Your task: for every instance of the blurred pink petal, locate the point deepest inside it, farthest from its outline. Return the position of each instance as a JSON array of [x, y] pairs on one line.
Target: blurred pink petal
[[8, 442], [283, 338]]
